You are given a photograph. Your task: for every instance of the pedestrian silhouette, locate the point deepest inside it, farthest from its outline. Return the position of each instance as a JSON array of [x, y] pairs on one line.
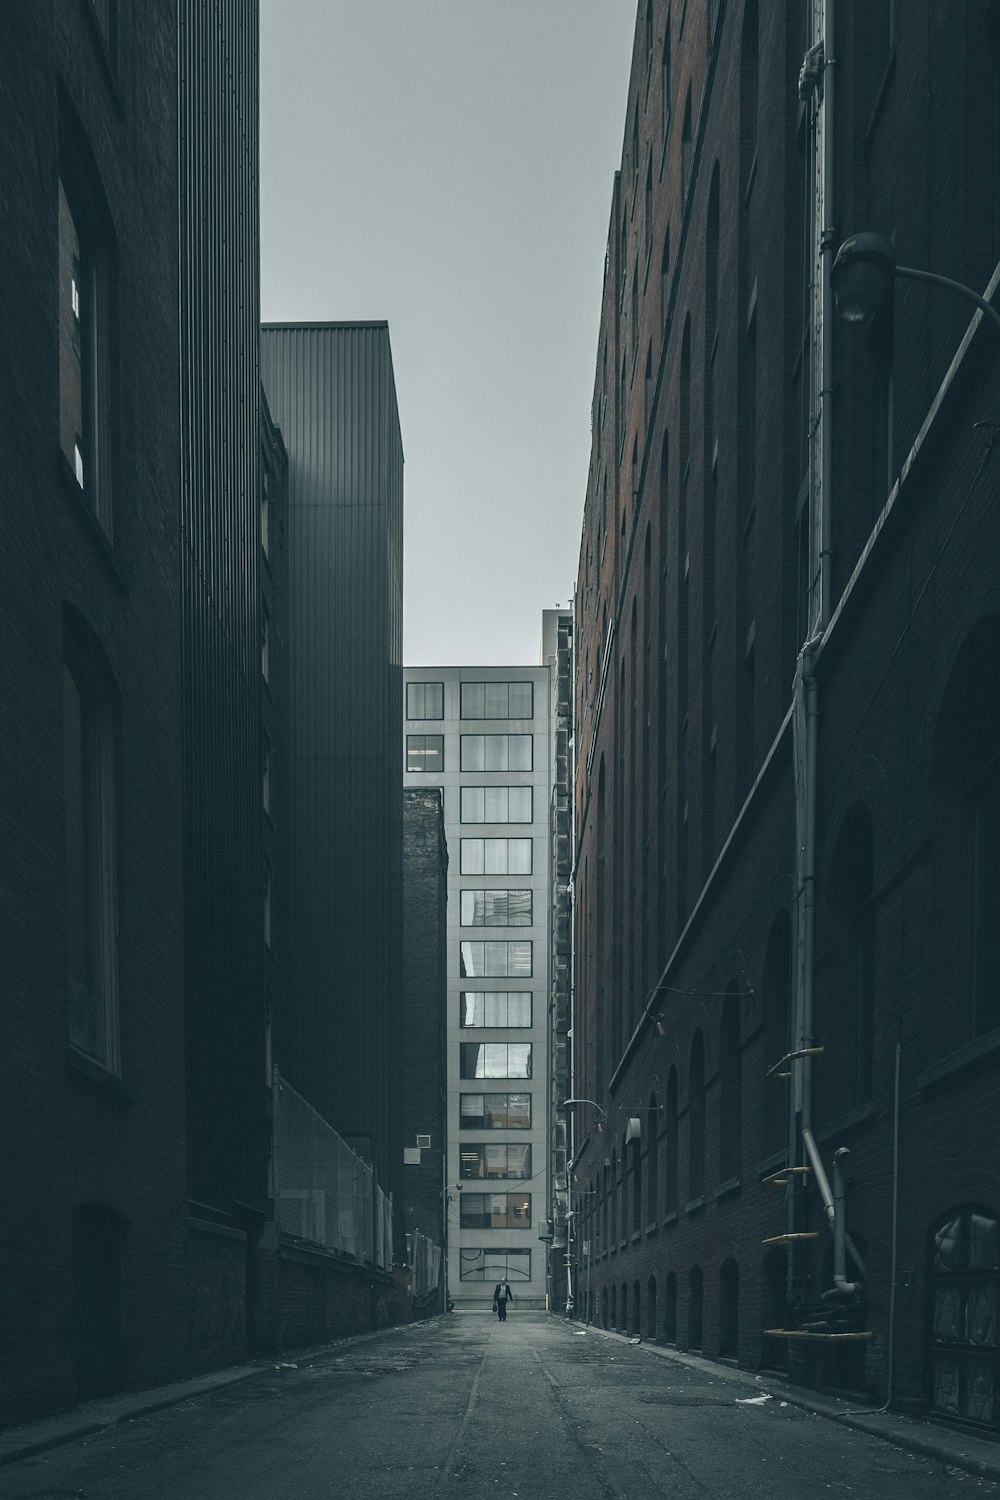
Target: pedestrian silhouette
[[502, 1294]]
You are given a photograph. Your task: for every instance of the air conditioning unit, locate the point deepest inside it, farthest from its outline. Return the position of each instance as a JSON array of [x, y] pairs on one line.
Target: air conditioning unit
[[424, 1142], [411, 1156], [633, 1129]]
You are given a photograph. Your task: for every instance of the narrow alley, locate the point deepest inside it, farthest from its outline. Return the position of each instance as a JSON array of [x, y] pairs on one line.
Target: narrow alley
[[468, 1407]]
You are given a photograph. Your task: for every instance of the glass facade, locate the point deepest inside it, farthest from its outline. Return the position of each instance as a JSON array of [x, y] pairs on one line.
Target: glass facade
[[496, 752], [496, 1059], [495, 960], [497, 700], [425, 752], [495, 1111], [496, 908], [425, 700], [483, 1160], [495, 1008], [496, 1211], [496, 857], [496, 804], [494, 1265]]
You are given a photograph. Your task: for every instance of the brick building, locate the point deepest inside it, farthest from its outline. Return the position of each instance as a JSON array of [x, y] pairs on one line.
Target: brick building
[[787, 724], [93, 1287]]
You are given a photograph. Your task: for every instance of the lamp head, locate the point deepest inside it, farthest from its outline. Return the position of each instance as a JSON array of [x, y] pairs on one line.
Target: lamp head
[[861, 276]]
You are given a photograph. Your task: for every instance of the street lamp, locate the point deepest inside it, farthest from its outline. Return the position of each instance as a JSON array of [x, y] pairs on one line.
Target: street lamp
[[602, 1114], [862, 275]]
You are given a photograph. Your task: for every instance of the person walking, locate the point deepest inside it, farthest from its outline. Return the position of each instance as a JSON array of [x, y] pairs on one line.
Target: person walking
[[502, 1294]]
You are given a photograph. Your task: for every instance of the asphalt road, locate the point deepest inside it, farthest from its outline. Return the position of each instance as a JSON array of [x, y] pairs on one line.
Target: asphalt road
[[477, 1410]]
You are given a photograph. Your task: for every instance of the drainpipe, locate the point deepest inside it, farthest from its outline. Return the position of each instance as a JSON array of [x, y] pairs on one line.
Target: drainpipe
[[833, 1204]]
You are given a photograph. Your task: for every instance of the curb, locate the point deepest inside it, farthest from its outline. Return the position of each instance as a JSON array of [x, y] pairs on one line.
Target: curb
[[933, 1442], [28, 1440]]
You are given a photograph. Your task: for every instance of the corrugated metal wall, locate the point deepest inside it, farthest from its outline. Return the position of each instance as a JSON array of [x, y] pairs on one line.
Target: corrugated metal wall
[[220, 559], [331, 389]]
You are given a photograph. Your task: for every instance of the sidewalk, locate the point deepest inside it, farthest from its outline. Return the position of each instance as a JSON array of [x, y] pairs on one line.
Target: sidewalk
[[25, 1441], [950, 1445]]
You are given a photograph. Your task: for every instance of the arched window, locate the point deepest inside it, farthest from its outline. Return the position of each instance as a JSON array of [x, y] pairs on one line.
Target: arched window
[[687, 146], [613, 1317], [670, 1310], [696, 1119], [845, 1019], [671, 1143], [650, 1329], [635, 1322], [729, 1309], [622, 1226], [965, 958], [635, 1172], [652, 1161], [777, 1020], [613, 1206], [696, 1308], [964, 1330], [730, 1087], [774, 1293]]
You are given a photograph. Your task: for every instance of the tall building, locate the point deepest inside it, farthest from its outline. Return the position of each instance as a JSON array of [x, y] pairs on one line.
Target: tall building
[[94, 1289], [483, 736], [336, 1037], [786, 711], [226, 661]]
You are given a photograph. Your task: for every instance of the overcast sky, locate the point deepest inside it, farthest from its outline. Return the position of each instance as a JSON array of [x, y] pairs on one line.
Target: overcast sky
[[447, 165]]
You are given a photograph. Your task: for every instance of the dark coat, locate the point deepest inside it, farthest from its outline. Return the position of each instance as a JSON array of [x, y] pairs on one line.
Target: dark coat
[[496, 1292]]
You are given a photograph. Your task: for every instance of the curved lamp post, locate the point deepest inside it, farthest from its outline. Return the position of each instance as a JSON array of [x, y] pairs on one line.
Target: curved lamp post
[[863, 271]]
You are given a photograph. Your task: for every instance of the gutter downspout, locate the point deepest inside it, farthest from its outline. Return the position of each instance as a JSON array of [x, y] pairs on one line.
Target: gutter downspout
[[833, 1203]]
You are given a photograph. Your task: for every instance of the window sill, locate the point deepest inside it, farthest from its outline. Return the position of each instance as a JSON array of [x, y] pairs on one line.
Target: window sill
[[696, 1205], [78, 1062], [652, 1228], [728, 1188], [96, 532], [670, 1218], [956, 1062], [860, 1116], [636, 1236], [769, 1164]]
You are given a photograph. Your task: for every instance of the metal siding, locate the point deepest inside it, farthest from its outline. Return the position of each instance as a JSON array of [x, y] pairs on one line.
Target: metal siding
[[331, 390], [220, 552]]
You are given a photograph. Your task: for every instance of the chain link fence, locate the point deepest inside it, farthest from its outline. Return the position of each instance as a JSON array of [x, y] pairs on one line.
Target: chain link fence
[[323, 1191]]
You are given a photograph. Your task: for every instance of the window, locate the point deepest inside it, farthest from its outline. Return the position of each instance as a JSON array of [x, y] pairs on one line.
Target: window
[[494, 1111], [265, 512], [964, 1339], [496, 908], [497, 804], [267, 904], [496, 856], [85, 346], [91, 881], [425, 752], [496, 1008], [496, 960], [496, 1211], [730, 1087], [265, 774], [495, 1161], [665, 278], [497, 700], [425, 700], [696, 1118], [265, 644], [494, 1265], [495, 1059], [687, 146], [496, 752]]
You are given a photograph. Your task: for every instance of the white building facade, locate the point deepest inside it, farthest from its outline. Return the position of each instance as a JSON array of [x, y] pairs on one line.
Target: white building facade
[[483, 735]]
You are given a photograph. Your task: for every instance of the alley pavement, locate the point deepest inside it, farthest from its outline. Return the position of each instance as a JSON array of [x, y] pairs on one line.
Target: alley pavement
[[467, 1407]]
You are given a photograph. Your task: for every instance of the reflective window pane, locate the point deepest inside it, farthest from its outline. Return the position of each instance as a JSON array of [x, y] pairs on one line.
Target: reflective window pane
[[425, 700], [472, 700], [425, 752], [496, 700], [519, 704], [518, 856], [473, 1008], [496, 802], [519, 1008], [473, 752], [473, 804], [496, 752], [519, 960], [519, 807], [473, 857], [519, 752], [518, 1060]]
